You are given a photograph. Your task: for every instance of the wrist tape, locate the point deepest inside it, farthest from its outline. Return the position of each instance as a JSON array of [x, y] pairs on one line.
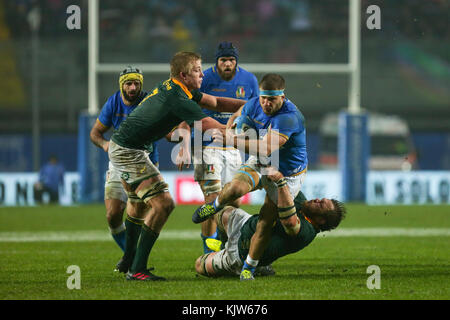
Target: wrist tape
[[287, 212], [281, 183]]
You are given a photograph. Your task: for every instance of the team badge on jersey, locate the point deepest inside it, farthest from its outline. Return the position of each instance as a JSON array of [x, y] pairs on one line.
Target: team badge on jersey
[[240, 92], [125, 176], [210, 169]]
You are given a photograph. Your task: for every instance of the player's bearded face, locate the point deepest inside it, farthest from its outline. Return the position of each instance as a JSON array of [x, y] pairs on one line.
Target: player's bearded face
[[131, 90], [314, 209], [226, 66], [271, 104]]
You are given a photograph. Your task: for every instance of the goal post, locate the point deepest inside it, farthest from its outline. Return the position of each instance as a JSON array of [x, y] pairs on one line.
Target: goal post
[[351, 68]]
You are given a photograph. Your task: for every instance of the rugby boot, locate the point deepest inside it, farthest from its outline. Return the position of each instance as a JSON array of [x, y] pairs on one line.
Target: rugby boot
[[144, 276], [204, 212]]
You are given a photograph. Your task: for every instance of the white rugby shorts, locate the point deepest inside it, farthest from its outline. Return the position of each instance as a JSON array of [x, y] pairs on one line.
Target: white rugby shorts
[[217, 164]]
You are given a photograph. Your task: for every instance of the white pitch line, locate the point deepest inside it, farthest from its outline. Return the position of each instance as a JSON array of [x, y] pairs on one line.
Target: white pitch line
[[83, 236]]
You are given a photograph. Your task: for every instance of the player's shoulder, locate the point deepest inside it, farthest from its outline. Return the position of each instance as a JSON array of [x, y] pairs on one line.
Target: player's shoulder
[[290, 108], [252, 104], [253, 101], [209, 72], [171, 87], [114, 98], [141, 97], [245, 73], [307, 230], [113, 101], [210, 78]]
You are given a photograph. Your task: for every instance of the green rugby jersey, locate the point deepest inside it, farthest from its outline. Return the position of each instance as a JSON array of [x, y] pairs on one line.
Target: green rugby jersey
[[169, 104], [280, 243]]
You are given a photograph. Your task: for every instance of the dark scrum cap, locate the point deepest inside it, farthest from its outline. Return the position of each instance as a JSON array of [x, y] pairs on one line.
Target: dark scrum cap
[[226, 49]]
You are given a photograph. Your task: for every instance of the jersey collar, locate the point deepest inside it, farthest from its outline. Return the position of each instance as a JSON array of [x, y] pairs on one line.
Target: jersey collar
[[312, 223], [183, 87]]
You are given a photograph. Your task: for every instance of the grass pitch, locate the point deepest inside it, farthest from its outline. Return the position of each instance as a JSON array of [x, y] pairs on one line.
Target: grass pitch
[[409, 244]]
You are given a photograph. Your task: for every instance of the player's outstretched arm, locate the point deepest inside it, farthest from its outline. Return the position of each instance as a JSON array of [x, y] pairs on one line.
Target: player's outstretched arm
[[220, 104], [287, 212], [96, 135]]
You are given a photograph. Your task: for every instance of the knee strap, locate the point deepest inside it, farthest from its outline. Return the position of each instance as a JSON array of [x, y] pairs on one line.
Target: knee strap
[[203, 263], [209, 187], [149, 192]]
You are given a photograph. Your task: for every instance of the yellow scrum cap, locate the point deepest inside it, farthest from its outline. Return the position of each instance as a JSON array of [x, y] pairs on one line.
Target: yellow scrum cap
[[130, 73]]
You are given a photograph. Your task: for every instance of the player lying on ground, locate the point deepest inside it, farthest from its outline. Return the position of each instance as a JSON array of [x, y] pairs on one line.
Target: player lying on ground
[[296, 227], [277, 135]]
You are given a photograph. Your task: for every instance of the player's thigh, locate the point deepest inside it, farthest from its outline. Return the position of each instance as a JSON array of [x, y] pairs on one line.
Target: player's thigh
[[231, 163], [114, 191], [132, 165], [246, 176], [216, 264], [209, 166], [154, 192], [294, 184]]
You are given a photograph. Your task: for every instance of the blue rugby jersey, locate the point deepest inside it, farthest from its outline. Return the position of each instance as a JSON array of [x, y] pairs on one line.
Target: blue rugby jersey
[[114, 111], [244, 85], [288, 122]]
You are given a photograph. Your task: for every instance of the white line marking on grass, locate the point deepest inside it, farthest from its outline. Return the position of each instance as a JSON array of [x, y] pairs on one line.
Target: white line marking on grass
[[80, 236], [388, 232]]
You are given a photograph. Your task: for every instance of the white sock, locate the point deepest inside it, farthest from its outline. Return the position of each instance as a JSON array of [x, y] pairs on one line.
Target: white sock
[[117, 230], [217, 204], [251, 262]]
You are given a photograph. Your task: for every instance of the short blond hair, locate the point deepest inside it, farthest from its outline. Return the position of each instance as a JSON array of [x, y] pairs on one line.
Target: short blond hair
[[183, 61]]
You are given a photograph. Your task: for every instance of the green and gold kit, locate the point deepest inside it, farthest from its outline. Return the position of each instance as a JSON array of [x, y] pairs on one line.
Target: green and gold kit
[[165, 107], [280, 243]]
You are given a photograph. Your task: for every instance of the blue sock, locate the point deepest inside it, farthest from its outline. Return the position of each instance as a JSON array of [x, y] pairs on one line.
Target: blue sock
[[120, 239], [248, 267], [205, 247]]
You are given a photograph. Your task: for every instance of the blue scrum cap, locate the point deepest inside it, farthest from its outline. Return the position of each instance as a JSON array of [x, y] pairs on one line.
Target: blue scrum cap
[[226, 49]]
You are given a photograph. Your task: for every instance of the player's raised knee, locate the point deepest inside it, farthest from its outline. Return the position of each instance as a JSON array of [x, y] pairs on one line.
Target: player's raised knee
[[198, 266], [237, 188]]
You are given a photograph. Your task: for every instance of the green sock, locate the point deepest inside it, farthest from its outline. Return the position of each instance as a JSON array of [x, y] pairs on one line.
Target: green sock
[[145, 245], [133, 230]]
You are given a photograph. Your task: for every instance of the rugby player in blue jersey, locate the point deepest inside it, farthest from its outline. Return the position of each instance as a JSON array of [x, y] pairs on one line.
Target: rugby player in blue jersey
[[215, 166], [279, 140], [114, 111]]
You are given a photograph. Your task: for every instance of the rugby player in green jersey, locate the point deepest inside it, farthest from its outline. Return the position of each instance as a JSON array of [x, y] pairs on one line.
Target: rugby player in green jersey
[[174, 102], [298, 223]]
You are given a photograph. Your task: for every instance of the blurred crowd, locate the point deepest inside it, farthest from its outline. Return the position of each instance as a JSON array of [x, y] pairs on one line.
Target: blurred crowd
[[232, 19]]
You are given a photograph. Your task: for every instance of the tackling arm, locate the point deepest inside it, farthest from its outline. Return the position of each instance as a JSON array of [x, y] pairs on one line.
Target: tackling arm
[[287, 212], [220, 104]]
